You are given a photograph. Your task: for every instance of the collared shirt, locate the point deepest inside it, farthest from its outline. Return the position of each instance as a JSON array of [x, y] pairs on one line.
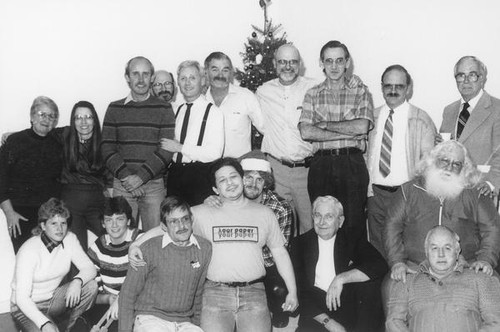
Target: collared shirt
[[241, 109], [472, 104], [49, 243], [322, 103], [281, 107], [213, 139], [325, 267], [399, 166], [130, 98], [284, 213], [166, 240]]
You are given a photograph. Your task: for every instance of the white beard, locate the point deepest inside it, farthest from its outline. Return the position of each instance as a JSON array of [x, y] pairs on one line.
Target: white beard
[[443, 184]]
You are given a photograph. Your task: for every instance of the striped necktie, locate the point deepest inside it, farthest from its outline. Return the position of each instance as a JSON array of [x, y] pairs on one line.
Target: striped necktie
[[385, 150], [184, 130], [462, 119]]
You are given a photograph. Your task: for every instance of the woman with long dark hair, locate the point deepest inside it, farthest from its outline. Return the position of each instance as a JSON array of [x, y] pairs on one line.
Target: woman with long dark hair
[[83, 175]]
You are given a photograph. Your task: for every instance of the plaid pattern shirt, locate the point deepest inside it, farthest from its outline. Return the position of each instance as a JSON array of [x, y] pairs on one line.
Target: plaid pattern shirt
[[49, 244], [284, 213], [321, 103]]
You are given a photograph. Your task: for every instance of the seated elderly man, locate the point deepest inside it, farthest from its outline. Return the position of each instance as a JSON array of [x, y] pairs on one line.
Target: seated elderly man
[[333, 270], [444, 295], [442, 193]]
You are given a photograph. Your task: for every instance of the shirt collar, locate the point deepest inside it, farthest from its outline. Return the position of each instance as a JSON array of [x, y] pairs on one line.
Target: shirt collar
[[473, 102], [166, 240], [128, 237], [130, 98], [324, 85], [459, 267], [49, 243]]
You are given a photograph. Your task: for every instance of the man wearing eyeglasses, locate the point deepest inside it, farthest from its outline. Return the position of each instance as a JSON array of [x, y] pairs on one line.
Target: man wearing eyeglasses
[[164, 86], [474, 120], [239, 105], [402, 134], [336, 119]]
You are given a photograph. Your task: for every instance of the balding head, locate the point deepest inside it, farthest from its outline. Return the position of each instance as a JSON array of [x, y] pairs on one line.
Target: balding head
[[163, 85], [287, 63]]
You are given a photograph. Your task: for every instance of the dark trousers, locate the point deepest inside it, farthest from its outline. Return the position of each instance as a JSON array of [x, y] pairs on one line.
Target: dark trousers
[[86, 204], [344, 177], [30, 213], [360, 310], [190, 181]]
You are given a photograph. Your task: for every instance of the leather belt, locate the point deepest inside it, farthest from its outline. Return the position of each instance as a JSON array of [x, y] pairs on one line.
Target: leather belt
[[386, 188], [239, 283], [337, 152], [291, 164]]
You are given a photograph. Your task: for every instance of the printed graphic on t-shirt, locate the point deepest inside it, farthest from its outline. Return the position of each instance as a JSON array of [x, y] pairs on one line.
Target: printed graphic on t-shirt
[[235, 233]]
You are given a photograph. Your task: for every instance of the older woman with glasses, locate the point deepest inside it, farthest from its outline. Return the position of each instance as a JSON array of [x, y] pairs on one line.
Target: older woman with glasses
[[39, 301], [30, 165]]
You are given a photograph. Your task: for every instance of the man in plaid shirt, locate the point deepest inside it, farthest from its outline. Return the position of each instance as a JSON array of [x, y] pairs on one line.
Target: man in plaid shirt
[[336, 119]]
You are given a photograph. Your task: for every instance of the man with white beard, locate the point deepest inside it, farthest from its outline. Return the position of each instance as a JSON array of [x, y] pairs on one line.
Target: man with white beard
[[442, 193]]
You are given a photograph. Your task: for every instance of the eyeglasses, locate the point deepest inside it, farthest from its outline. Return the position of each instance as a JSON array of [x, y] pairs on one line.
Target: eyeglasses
[[338, 61], [166, 85], [178, 221], [283, 62], [327, 217], [390, 87], [45, 115], [445, 163], [87, 117], [471, 77]]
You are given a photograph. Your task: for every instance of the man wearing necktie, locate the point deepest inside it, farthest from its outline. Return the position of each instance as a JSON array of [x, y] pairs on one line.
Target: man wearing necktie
[[402, 134], [474, 121], [199, 138]]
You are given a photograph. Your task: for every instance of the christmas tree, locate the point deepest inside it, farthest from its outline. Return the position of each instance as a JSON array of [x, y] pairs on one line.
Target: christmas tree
[[258, 59]]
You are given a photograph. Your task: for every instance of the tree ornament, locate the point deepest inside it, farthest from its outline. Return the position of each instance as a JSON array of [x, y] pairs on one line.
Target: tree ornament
[[270, 35], [254, 34]]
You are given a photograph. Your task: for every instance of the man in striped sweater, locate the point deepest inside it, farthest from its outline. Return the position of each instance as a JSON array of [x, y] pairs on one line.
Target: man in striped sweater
[[165, 294], [131, 133]]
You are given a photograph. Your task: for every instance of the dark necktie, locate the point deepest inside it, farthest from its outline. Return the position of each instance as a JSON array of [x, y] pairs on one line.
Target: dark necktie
[[184, 129], [385, 150], [462, 119]]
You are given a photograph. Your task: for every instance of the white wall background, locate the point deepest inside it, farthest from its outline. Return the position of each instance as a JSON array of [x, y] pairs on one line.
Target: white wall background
[[74, 50]]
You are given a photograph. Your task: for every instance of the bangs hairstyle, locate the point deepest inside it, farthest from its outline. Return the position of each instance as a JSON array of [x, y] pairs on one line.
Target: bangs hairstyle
[[267, 177], [222, 162], [170, 204], [469, 171], [53, 207], [73, 158], [118, 205]]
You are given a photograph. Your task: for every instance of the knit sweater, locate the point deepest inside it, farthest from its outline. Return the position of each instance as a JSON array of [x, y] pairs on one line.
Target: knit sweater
[[169, 286], [39, 272], [130, 138], [30, 166], [463, 301], [111, 260]]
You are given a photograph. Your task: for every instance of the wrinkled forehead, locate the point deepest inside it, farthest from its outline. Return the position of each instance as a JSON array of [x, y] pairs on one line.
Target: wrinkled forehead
[[287, 52], [468, 65], [452, 152], [162, 77]]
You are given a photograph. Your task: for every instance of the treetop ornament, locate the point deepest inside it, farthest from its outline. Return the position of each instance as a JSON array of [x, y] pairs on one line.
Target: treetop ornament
[[258, 58]]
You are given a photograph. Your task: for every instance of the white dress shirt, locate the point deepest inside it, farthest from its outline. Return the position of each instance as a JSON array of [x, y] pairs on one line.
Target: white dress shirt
[[325, 268]]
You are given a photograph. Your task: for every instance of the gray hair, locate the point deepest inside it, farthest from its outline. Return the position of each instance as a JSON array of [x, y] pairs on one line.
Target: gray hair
[[482, 66], [337, 206], [190, 63], [43, 101], [456, 238]]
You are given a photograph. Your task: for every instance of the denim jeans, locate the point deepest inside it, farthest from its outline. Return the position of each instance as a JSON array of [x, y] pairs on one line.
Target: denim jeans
[[146, 206], [150, 323], [55, 307], [225, 307]]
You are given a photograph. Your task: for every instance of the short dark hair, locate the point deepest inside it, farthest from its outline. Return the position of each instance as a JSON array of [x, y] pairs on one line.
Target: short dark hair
[[334, 44], [170, 204], [217, 56], [222, 162], [53, 207], [140, 57], [397, 67], [118, 205]]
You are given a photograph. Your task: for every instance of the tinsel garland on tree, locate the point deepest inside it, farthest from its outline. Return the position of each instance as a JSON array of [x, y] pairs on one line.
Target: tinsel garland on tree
[[258, 60]]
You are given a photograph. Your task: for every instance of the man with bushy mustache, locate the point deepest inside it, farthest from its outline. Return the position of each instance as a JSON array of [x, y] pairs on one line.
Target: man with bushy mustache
[[402, 135], [442, 193]]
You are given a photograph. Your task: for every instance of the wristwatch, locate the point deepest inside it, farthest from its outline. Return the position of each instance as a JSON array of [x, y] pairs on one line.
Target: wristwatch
[[325, 321]]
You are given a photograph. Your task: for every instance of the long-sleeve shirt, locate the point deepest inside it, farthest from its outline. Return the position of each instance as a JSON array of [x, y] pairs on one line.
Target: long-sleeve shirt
[[240, 109], [39, 272], [169, 286], [464, 301], [130, 138], [213, 138]]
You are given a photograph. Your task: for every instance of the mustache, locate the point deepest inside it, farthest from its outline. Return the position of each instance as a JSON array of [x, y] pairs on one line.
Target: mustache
[[393, 94], [220, 78]]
